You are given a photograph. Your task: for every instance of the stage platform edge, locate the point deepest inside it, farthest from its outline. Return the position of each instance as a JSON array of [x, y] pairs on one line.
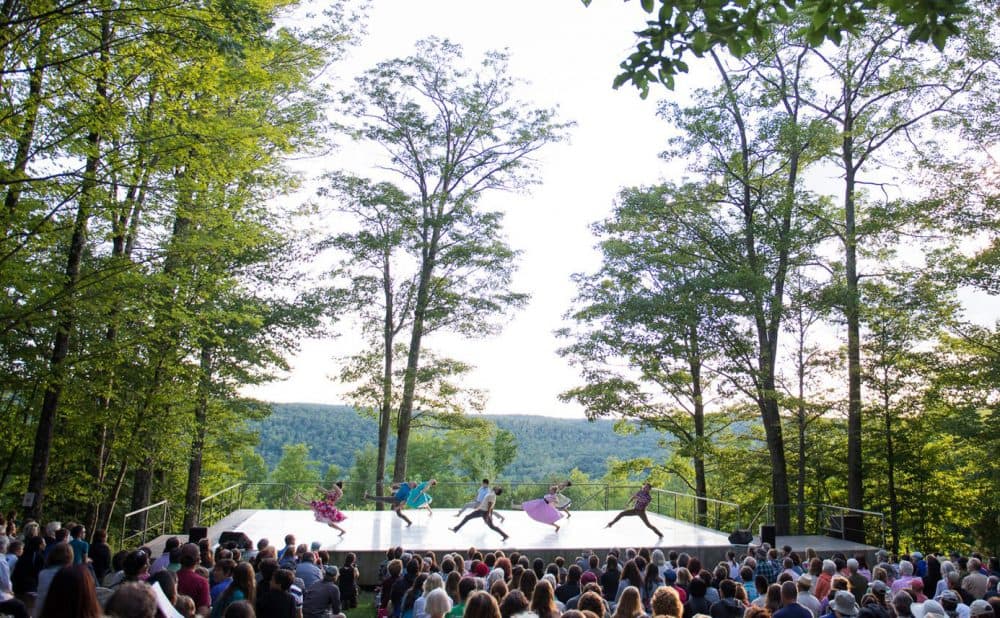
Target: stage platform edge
[[371, 533]]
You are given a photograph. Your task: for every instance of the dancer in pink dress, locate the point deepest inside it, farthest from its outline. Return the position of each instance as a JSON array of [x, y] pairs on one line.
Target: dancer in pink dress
[[543, 509], [326, 510]]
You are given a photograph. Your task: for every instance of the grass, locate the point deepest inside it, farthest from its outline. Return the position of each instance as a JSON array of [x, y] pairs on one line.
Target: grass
[[366, 606]]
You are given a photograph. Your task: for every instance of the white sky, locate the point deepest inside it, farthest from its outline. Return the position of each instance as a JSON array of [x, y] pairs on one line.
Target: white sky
[[569, 54]]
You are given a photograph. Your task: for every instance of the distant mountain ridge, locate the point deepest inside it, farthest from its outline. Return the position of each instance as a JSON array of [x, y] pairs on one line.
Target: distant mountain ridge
[[546, 446]]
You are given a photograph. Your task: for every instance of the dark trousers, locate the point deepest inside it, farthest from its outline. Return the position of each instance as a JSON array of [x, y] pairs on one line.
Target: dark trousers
[[397, 505], [487, 517], [640, 513]]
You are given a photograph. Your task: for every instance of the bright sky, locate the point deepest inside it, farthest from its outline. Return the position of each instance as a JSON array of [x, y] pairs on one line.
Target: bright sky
[[569, 55]]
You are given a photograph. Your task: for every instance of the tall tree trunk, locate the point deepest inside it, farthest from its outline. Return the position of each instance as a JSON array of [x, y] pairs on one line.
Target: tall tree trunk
[[142, 491], [192, 497], [385, 411], [890, 460], [700, 484], [27, 134], [429, 256], [67, 315], [855, 472]]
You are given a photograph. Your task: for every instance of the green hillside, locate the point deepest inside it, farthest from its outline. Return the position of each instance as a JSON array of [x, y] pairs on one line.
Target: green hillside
[[546, 446]]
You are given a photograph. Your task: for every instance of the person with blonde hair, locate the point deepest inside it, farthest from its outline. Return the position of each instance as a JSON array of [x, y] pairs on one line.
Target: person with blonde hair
[[433, 582], [666, 602], [629, 604]]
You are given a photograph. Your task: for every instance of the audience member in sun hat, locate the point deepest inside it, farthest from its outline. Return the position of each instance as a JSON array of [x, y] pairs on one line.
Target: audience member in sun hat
[[844, 605]]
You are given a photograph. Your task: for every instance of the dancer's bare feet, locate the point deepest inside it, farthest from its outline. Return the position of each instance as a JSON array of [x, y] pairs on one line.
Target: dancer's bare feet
[[556, 527]]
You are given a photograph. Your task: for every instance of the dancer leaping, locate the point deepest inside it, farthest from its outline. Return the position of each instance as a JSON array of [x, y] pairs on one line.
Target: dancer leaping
[[397, 500], [326, 510], [641, 500]]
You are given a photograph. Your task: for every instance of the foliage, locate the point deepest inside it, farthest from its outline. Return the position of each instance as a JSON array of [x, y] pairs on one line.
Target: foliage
[[677, 28]]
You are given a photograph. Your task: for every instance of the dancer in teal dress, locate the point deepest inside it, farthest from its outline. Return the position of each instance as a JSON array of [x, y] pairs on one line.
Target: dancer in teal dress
[[419, 498]]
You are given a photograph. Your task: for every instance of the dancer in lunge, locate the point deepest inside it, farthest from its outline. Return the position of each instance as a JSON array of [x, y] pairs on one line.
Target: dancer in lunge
[[543, 509], [483, 490], [641, 500], [397, 500], [419, 498], [485, 510], [326, 510]]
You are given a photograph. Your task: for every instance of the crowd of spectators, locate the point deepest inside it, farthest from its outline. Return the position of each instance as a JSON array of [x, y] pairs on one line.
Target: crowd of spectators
[[54, 571]]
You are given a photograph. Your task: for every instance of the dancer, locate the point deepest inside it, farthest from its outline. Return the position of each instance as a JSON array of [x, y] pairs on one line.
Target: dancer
[[641, 500], [325, 510], [543, 509], [419, 498], [397, 500], [562, 502], [485, 510], [483, 490]]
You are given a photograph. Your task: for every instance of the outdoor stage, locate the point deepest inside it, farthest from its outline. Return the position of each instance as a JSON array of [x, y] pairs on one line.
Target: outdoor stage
[[370, 533]]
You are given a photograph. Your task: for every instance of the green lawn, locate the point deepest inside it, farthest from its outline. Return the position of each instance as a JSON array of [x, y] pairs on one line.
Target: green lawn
[[366, 606]]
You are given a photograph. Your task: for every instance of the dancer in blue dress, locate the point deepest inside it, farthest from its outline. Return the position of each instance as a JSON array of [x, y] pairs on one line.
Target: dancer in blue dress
[[397, 500], [419, 498]]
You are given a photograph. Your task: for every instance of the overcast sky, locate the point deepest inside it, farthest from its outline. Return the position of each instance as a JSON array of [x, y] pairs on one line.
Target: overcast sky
[[569, 55]]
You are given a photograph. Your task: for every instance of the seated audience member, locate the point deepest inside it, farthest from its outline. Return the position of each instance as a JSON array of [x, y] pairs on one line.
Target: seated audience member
[[222, 576], [100, 554], [131, 600], [307, 571], [190, 582], [164, 559], [185, 606], [276, 601], [242, 587], [72, 592], [322, 598], [241, 609], [24, 577], [61, 556], [513, 604]]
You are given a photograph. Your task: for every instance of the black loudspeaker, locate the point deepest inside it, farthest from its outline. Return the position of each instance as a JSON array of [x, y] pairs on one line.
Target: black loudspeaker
[[197, 533], [740, 536], [241, 540], [768, 534]]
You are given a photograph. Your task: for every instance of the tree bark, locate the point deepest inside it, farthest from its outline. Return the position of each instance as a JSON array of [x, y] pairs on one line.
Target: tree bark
[[192, 496]]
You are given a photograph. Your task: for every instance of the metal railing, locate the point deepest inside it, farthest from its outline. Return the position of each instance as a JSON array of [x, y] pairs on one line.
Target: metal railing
[[718, 514], [841, 522], [216, 506], [140, 532]]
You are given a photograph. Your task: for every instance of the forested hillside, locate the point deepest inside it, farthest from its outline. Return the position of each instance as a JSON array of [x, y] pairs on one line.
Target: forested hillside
[[545, 446]]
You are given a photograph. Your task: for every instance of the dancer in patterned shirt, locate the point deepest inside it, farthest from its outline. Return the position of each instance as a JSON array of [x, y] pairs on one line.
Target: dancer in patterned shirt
[[641, 500], [325, 510]]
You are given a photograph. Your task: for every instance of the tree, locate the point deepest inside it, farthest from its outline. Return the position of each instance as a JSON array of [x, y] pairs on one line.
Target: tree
[[452, 135], [704, 26], [653, 306]]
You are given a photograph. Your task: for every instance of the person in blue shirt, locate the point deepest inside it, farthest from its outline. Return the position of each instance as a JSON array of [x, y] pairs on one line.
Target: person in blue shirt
[[397, 500], [480, 495]]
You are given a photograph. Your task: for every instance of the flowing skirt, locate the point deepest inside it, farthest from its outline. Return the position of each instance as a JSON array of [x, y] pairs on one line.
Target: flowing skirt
[[542, 511], [326, 512]]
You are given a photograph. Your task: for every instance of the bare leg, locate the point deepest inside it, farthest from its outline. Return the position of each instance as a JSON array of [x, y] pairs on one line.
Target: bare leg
[[336, 527], [399, 514]]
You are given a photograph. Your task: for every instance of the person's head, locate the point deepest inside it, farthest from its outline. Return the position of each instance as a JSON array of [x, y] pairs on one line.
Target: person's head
[[772, 598], [438, 603], [573, 574], [514, 603], [755, 611], [844, 605], [697, 588], [498, 588], [289, 540], [168, 583], [591, 600], [16, 547], [528, 582], [60, 555], [666, 602], [481, 604], [135, 564], [223, 569], [240, 609], [245, 580], [629, 603], [789, 592], [52, 527], [543, 600], [190, 556], [727, 589], [981, 609], [902, 603], [830, 567], [77, 531], [466, 587], [395, 567], [72, 593], [282, 579], [631, 574], [131, 600]]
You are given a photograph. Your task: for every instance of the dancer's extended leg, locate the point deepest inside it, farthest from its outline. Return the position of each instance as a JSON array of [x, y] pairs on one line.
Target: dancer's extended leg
[[489, 522], [625, 513], [645, 520], [472, 515]]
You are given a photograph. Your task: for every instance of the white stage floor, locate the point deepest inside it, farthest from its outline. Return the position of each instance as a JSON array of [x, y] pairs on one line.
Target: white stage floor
[[378, 530]]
